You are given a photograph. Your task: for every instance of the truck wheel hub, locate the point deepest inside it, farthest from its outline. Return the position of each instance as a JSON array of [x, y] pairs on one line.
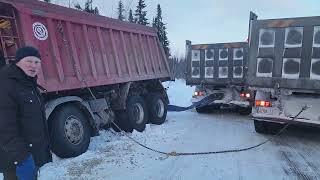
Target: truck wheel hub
[[159, 108], [73, 130], [138, 113]]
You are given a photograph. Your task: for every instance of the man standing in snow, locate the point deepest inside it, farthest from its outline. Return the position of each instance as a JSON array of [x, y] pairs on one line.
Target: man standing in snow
[[24, 137]]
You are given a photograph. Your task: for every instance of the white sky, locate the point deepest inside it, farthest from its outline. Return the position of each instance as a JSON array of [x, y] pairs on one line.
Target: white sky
[[210, 21]]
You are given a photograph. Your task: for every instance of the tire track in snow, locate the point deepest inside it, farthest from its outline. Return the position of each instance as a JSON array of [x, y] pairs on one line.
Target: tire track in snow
[[293, 167], [315, 169], [300, 154]]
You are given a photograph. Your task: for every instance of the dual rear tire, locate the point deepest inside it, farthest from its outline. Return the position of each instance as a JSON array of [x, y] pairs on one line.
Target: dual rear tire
[[264, 127], [140, 111], [70, 129], [208, 109]]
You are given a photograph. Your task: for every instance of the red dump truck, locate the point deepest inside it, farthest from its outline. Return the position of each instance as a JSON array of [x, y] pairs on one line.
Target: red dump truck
[[95, 70]]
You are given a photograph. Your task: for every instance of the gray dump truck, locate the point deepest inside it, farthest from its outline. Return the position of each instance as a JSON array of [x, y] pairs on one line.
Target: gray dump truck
[[284, 70], [219, 69]]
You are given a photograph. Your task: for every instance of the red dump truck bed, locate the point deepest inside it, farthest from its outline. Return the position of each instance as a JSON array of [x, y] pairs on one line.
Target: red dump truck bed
[[79, 48]]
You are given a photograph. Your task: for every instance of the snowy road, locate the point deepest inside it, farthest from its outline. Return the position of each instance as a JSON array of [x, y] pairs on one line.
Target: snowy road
[[294, 155]]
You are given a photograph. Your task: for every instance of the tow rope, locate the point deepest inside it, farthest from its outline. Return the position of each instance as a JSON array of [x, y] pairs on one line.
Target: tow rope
[[174, 153], [203, 102]]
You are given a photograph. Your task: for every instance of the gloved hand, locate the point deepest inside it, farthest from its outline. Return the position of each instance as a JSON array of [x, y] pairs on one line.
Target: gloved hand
[[26, 170]]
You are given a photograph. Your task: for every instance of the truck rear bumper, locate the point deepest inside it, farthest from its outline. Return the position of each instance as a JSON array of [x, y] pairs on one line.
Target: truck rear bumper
[[223, 102], [284, 120]]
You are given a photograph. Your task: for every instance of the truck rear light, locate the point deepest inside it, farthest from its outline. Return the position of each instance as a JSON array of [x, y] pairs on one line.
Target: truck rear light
[[247, 95], [198, 93], [261, 103]]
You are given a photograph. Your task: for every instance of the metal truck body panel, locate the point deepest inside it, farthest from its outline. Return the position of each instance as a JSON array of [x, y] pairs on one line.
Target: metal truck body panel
[[284, 71], [219, 64], [80, 49], [285, 53]]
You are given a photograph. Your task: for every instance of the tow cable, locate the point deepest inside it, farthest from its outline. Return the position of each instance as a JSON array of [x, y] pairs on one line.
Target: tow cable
[[199, 104], [203, 102], [174, 153]]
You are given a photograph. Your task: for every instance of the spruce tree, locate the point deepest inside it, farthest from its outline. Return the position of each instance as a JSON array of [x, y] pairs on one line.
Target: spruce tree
[[130, 18], [77, 6], [96, 10], [48, 1], [140, 14], [161, 30], [120, 11], [88, 7]]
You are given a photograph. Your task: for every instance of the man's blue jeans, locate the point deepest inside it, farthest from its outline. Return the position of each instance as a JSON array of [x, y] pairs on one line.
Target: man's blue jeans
[[26, 170]]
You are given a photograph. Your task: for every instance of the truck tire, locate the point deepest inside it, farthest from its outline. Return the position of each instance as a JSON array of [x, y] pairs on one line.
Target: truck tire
[[260, 127], [208, 109], [267, 127], [157, 108], [203, 109], [275, 128], [70, 131], [244, 110], [137, 112], [122, 121]]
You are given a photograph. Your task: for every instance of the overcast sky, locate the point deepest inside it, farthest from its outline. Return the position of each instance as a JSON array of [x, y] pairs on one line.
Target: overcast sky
[[210, 21]]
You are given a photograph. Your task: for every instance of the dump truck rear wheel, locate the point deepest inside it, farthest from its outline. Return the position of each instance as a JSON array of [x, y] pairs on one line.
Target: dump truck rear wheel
[[203, 109], [267, 127], [137, 112], [244, 110], [157, 108], [208, 109], [70, 132], [122, 121], [260, 127]]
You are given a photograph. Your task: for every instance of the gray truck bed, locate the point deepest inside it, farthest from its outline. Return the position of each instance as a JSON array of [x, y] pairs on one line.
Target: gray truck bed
[[285, 53], [220, 64]]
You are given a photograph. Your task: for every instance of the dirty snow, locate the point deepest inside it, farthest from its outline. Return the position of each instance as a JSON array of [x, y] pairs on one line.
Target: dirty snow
[[111, 156]]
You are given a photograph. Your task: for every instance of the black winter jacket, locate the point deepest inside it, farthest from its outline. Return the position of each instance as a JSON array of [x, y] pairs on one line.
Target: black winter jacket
[[23, 126]]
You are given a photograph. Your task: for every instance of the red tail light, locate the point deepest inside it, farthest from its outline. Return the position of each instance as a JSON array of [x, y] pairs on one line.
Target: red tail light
[[247, 95], [261, 103], [198, 93]]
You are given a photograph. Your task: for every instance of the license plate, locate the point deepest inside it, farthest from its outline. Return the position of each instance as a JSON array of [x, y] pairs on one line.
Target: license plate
[[264, 110]]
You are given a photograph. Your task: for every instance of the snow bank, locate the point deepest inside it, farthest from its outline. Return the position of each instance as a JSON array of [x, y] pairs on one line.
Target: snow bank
[[179, 94]]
